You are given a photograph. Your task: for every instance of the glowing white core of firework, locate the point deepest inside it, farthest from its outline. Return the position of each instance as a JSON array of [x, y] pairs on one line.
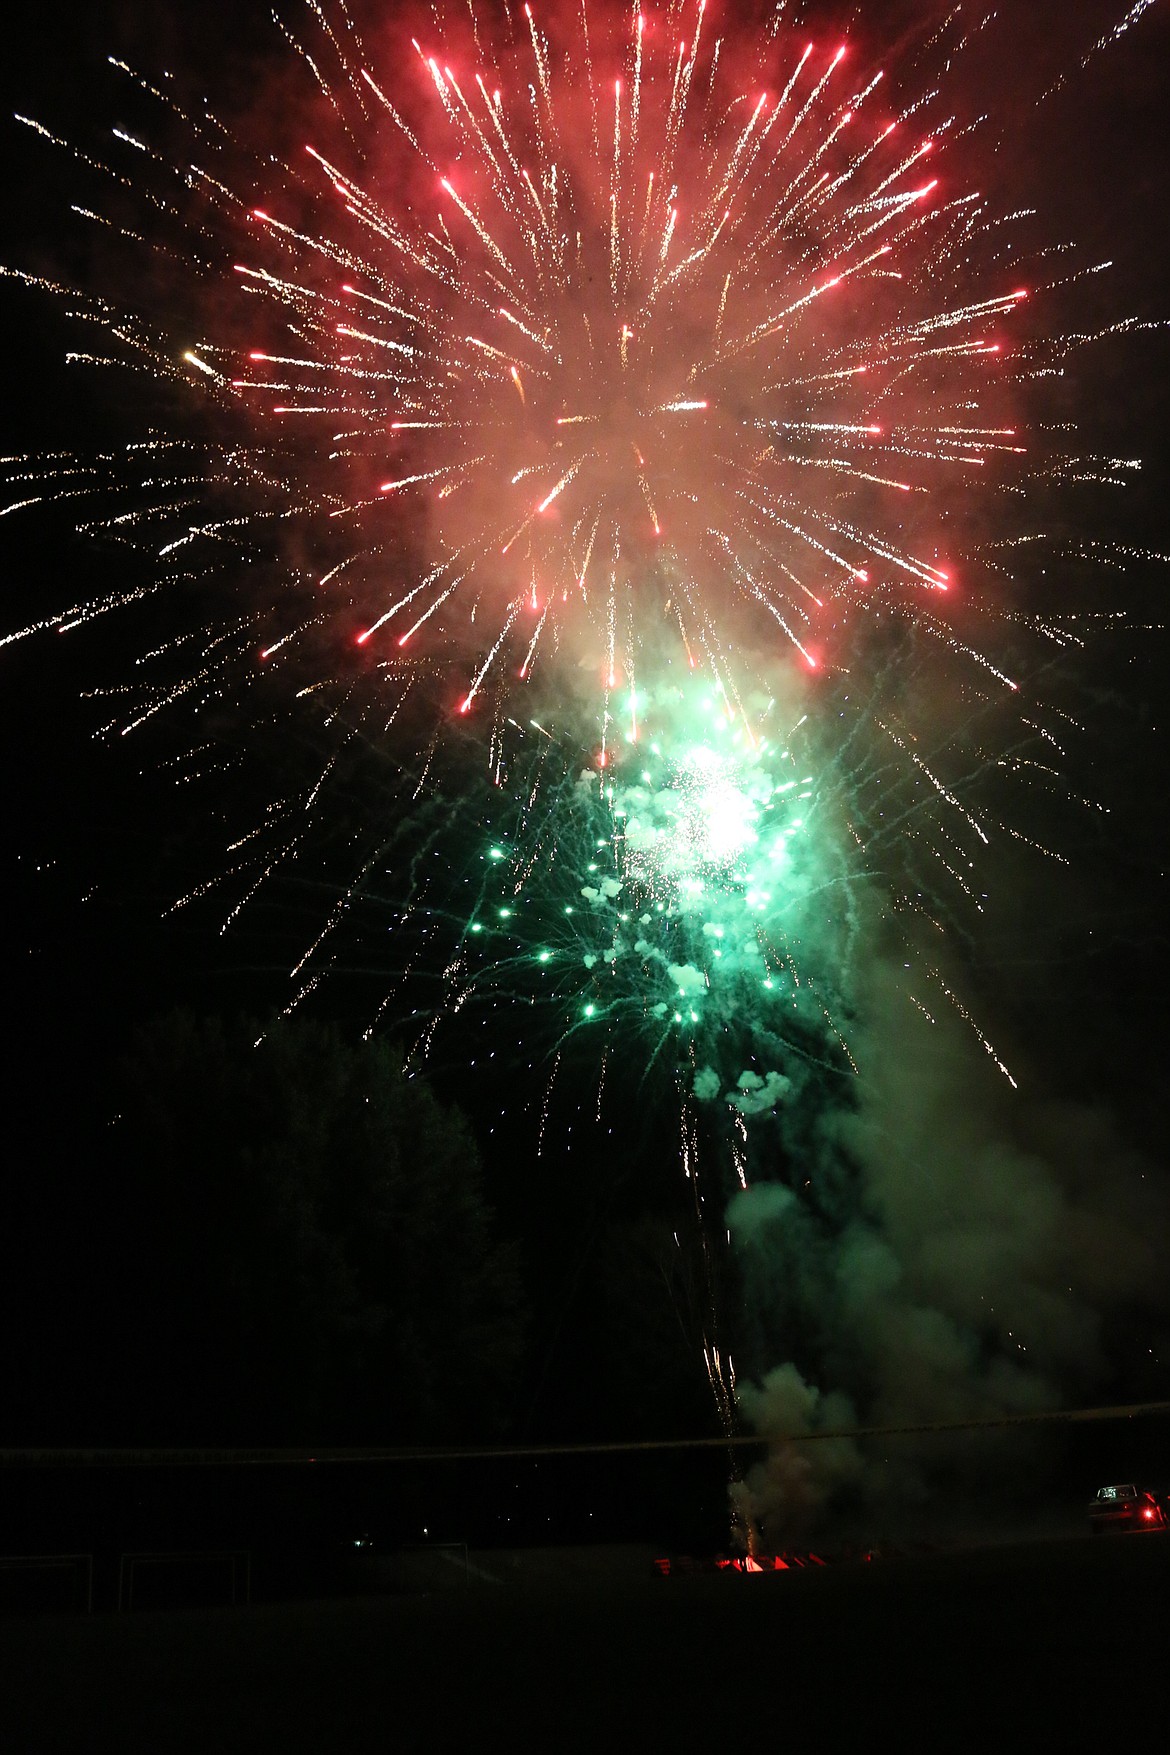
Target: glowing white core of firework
[[718, 820], [702, 819]]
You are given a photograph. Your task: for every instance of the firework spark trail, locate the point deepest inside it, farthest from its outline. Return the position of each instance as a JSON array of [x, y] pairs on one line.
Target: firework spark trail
[[642, 484], [673, 381]]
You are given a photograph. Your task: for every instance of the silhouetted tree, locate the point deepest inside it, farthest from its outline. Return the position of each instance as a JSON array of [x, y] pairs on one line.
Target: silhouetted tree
[[297, 1245]]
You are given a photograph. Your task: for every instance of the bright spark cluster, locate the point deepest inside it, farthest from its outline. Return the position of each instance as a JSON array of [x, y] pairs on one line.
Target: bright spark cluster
[[648, 340], [665, 902], [554, 361]]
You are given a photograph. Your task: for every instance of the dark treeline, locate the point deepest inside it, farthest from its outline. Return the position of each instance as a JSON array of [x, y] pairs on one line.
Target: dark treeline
[[240, 1243], [215, 1233]]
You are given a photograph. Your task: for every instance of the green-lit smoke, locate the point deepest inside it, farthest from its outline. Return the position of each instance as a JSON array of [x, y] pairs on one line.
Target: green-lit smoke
[[693, 889]]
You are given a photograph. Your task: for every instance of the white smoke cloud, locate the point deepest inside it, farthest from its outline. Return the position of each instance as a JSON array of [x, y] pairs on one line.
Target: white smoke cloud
[[707, 1084], [751, 1211], [754, 1095], [801, 1478], [974, 1269]]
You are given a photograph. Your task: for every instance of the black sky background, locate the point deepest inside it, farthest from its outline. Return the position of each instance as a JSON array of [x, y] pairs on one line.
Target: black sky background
[[1075, 968]]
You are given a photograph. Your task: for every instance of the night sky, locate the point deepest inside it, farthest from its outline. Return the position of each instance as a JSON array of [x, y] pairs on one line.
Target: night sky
[[1068, 972]]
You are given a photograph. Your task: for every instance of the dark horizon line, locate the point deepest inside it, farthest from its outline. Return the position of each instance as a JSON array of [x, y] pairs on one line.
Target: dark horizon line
[[54, 1456]]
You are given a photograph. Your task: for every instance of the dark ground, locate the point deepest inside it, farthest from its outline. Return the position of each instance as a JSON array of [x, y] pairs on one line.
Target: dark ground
[[1043, 1646]]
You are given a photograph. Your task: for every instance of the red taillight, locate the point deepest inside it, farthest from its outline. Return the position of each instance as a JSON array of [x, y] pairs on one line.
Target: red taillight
[[1148, 1512]]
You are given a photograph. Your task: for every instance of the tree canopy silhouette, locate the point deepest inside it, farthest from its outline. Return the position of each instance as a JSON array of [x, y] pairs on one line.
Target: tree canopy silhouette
[[298, 1246]]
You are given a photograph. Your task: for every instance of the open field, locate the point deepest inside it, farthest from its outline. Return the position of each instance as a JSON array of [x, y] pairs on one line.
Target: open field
[[1004, 1647]]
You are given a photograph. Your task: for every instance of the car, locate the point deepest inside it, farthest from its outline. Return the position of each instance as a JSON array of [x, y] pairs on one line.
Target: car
[[1125, 1508]]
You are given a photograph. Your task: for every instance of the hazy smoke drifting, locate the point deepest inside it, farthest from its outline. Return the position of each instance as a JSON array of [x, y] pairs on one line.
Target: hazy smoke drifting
[[986, 1257]]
